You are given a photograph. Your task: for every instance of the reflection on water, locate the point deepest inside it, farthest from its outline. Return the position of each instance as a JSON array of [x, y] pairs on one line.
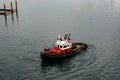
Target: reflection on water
[[6, 24], [17, 15], [12, 18], [59, 64]]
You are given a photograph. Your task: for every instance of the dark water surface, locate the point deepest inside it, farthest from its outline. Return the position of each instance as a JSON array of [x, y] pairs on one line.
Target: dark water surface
[[39, 22]]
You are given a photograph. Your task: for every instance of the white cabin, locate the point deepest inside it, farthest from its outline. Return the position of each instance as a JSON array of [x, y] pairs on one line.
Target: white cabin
[[63, 44]]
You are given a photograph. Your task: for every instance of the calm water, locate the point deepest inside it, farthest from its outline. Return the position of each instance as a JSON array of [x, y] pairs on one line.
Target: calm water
[[39, 22]]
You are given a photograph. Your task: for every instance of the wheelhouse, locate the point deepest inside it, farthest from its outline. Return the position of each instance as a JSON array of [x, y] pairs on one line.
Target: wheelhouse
[[63, 44]]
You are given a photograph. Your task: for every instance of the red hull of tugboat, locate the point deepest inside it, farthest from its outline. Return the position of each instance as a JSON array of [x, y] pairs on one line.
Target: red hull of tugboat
[[56, 53]]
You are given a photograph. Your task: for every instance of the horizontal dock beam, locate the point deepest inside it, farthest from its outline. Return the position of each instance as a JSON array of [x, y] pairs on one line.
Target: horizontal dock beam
[[10, 10], [7, 12]]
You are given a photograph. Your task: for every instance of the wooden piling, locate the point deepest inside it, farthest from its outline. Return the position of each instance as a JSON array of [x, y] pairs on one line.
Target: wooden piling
[[11, 5], [16, 5], [4, 4]]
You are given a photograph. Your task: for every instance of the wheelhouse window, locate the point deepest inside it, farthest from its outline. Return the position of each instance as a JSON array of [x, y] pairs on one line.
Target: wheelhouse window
[[65, 46], [60, 46]]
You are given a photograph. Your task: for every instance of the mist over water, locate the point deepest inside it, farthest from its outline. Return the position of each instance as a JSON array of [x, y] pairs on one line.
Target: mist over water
[[37, 25]]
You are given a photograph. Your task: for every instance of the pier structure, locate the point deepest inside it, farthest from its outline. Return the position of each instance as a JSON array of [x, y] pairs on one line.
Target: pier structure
[[6, 11]]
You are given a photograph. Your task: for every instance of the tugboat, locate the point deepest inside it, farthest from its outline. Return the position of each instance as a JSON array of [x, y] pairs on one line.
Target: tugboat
[[63, 48]]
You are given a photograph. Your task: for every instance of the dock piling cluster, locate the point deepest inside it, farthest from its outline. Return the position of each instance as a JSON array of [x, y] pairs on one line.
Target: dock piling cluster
[[6, 11]]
